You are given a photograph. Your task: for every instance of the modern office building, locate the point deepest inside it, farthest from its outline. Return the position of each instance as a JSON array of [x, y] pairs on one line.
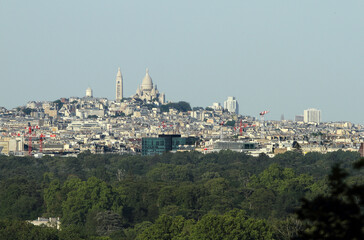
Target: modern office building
[[312, 115], [119, 86], [165, 143], [231, 104], [235, 146]]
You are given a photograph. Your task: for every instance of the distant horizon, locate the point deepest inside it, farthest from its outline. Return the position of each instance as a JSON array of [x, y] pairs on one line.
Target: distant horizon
[[279, 56]]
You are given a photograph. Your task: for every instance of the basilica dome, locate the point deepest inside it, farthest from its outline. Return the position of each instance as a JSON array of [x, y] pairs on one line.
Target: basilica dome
[[147, 83]]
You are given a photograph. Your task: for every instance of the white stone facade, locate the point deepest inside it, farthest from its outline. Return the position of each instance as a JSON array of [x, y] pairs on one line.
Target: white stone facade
[[119, 86], [149, 92]]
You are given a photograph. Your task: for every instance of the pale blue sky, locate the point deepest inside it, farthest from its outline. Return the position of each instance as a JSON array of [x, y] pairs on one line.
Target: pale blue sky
[[282, 56]]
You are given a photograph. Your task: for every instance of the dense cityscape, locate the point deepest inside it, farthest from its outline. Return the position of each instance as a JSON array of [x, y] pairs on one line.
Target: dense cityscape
[[147, 124], [181, 120]]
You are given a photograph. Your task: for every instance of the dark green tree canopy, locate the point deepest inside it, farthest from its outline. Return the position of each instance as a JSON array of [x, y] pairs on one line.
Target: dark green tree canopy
[[338, 214]]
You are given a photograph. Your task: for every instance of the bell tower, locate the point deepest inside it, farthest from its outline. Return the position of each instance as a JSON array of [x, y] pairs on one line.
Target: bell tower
[[119, 86]]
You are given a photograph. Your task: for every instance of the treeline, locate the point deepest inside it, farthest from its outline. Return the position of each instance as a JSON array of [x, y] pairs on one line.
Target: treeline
[[223, 195]]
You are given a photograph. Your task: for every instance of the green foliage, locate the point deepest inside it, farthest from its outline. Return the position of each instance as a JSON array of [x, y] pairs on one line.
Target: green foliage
[[126, 197], [337, 215], [84, 196], [164, 108], [59, 104], [20, 198], [277, 191], [10, 230], [197, 108], [165, 228], [232, 225], [27, 111], [180, 106], [230, 123], [53, 197], [103, 223]]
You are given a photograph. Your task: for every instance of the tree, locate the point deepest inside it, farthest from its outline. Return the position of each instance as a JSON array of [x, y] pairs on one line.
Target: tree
[[53, 198], [230, 123], [234, 224], [164, 108], [197, 108], [337, 215], [27, 111], [24, 230], [103, 223], [20, 198], [85, 196], [59, 104], [165, 228], [180, 106]]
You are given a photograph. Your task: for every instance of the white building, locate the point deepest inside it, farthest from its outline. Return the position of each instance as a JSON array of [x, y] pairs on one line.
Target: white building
[[89, 92], [231, 104], [84, 113], [216, 106], [48, 222], [149, 92], [312, 115], [119, 86]]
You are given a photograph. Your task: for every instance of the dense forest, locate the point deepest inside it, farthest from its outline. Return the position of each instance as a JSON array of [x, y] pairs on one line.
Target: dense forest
[[187, 195]]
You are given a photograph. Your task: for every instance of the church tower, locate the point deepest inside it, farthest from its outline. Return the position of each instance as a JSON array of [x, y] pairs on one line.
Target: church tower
[[119, 86]]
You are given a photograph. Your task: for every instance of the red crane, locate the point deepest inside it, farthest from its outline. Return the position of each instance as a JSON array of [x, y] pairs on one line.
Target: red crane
[[262, 114], [41, 138], [242, 126], [29, 134]]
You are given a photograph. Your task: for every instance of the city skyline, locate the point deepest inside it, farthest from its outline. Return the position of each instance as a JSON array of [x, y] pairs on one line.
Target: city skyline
[[283, 57]]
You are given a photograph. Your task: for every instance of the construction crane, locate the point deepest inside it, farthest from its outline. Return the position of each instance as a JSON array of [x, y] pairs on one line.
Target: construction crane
[[262, 114], [29, 133], [41, 138], [242, 126]]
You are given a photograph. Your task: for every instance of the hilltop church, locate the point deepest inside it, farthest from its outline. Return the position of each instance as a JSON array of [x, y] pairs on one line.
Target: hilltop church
[[146, 91]]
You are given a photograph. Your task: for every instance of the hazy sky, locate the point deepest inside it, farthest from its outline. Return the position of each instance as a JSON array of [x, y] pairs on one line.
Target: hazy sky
[[282, 56]]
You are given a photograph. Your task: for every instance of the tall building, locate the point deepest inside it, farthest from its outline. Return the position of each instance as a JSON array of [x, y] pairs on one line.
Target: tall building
[[231, 104], [89, 92], [312, 115], [119, 86], [149, 92]]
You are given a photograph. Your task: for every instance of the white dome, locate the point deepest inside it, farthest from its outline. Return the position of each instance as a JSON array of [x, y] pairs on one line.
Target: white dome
[[147, 83]]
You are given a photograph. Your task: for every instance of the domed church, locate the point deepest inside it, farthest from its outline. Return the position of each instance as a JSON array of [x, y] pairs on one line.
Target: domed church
[[149, 93]]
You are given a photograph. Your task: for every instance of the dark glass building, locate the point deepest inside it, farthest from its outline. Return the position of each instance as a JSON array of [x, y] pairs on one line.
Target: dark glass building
[[165, 143]]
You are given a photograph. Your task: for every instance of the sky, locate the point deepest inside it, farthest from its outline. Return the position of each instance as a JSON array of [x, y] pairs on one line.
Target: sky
[[281, 56]]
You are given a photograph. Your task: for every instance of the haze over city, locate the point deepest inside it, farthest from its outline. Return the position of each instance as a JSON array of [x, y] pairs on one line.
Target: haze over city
[[271, 55]]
